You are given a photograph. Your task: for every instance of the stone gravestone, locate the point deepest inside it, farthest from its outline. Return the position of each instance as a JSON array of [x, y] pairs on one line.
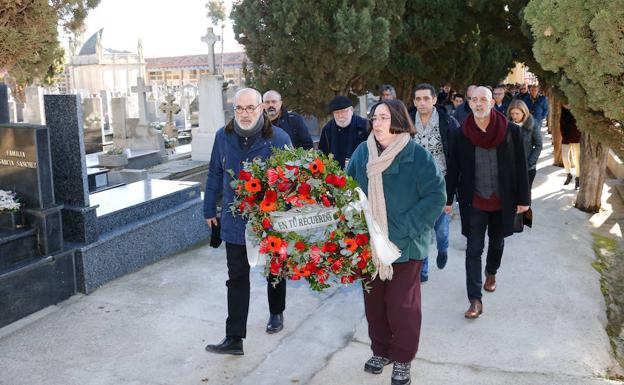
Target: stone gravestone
[[170, 108], [33, 110], [152, 109], [210, 38], [93, 116], [141, 89], [12, 111], [118, 120], [106, 109], [25, 168], [64, 117], [36, 270], [4, 104], [210, 117]]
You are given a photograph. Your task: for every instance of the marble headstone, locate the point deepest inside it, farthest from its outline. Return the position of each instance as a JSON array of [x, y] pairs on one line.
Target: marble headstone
[[93, 116], [4, 104], [210, 117], [64, 117], [33, 110]]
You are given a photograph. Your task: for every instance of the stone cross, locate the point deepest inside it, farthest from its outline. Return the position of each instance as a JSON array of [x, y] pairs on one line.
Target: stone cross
[[170, 108], [210, 38], [142, 90]]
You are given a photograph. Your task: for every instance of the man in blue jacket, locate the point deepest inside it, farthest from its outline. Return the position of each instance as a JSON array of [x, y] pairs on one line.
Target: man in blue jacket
[[289, 121], [344, 132], [537, 105], [249, 135]]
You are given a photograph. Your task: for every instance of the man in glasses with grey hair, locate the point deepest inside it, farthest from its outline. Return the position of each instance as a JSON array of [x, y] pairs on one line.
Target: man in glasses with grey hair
[[248, 136]]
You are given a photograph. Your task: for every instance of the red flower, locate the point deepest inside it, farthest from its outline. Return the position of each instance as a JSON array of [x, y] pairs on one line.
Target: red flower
[[329, 247], [295, 277], [361, 239], [304, 189], [293, 168], [266, 223], [274, 243], [346, 279], [264, 246], [271, 176], [337, 265], [315, 254], [330, 179], [341, 181], [241, 207], [270, 196], [361, 263], [300, 246], [253, 185], [250, 199], [267, 206], [244, 175], [284, 186], [275, 266], [350, 244], [326, 201], [317, 166], [321, 275]]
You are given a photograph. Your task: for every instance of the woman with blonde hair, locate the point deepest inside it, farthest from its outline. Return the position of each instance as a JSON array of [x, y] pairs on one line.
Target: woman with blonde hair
[[518, 113]]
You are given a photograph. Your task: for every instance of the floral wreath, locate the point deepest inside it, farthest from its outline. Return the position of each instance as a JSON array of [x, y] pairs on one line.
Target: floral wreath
[[306, 188]]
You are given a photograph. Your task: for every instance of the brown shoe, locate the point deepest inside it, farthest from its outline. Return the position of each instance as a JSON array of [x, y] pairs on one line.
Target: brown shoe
[[490, 283], [475, 309]]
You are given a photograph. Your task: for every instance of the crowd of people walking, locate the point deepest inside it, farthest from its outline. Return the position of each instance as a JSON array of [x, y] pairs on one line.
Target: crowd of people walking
[[478, 150]]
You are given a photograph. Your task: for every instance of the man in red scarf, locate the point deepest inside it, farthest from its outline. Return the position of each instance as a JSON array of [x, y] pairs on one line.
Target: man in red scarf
[[487, 170]]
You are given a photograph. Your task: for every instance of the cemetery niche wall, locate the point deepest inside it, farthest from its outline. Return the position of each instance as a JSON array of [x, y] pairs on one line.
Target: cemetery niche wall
[[73, 239]]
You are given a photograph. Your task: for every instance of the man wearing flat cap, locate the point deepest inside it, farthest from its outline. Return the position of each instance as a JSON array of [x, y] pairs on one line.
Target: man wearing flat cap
[[344, 132]]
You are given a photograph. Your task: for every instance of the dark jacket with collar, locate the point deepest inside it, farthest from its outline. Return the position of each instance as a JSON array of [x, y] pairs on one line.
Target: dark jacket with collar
[[513, 178], [343, 141], [532, 139], [503, 107], [414, 194], [295, 127], [447, 124], [462, 112], [228, 154], [538, 108]]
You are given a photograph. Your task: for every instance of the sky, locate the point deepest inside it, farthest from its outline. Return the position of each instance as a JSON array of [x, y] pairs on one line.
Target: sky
[[166, 28]]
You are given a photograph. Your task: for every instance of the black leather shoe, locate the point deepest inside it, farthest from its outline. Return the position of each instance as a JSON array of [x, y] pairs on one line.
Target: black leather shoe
[[229, 345], [577, 183], [568, 180], [275, 324]]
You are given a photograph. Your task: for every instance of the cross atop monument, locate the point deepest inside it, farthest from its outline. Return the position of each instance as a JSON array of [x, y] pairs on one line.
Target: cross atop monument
[[142, 90], [170, 108], [210, 38]]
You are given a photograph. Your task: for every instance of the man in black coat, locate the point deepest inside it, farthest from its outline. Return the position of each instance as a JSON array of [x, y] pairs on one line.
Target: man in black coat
[[344, 132], [289, 121], [461, 112], [433, 124], [487, 169]]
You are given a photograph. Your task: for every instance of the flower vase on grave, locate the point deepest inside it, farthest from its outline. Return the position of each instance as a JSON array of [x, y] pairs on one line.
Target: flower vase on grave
[[10, 220]]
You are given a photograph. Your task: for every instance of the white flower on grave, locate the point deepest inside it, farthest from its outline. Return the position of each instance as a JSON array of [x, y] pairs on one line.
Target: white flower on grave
[[9, 201]]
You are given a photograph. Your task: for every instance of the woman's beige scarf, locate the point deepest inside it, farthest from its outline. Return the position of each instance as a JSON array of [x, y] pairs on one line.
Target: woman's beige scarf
[[376, 165]]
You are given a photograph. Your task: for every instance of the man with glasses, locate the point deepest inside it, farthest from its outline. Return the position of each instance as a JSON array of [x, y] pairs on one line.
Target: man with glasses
[[248, 136], [462, 112], [289, 121], [344, 132], [500, 104], [433, 124]]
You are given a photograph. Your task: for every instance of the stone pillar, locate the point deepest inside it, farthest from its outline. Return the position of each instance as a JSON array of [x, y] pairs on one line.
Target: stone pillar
[[210, 117], [4, 104], [33, 111]]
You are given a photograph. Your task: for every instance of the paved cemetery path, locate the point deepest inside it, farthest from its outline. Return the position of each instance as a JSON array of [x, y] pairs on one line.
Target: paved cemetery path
[[544, 325]]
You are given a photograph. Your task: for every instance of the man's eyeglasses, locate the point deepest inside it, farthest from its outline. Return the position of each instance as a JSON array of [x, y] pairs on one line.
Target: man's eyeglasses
[[248, 109]]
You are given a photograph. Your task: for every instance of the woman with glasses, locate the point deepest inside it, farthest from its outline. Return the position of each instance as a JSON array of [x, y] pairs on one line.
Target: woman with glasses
[[406, 194]]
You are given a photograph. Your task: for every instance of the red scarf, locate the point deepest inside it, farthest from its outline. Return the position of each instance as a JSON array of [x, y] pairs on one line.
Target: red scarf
[[494, 133]]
